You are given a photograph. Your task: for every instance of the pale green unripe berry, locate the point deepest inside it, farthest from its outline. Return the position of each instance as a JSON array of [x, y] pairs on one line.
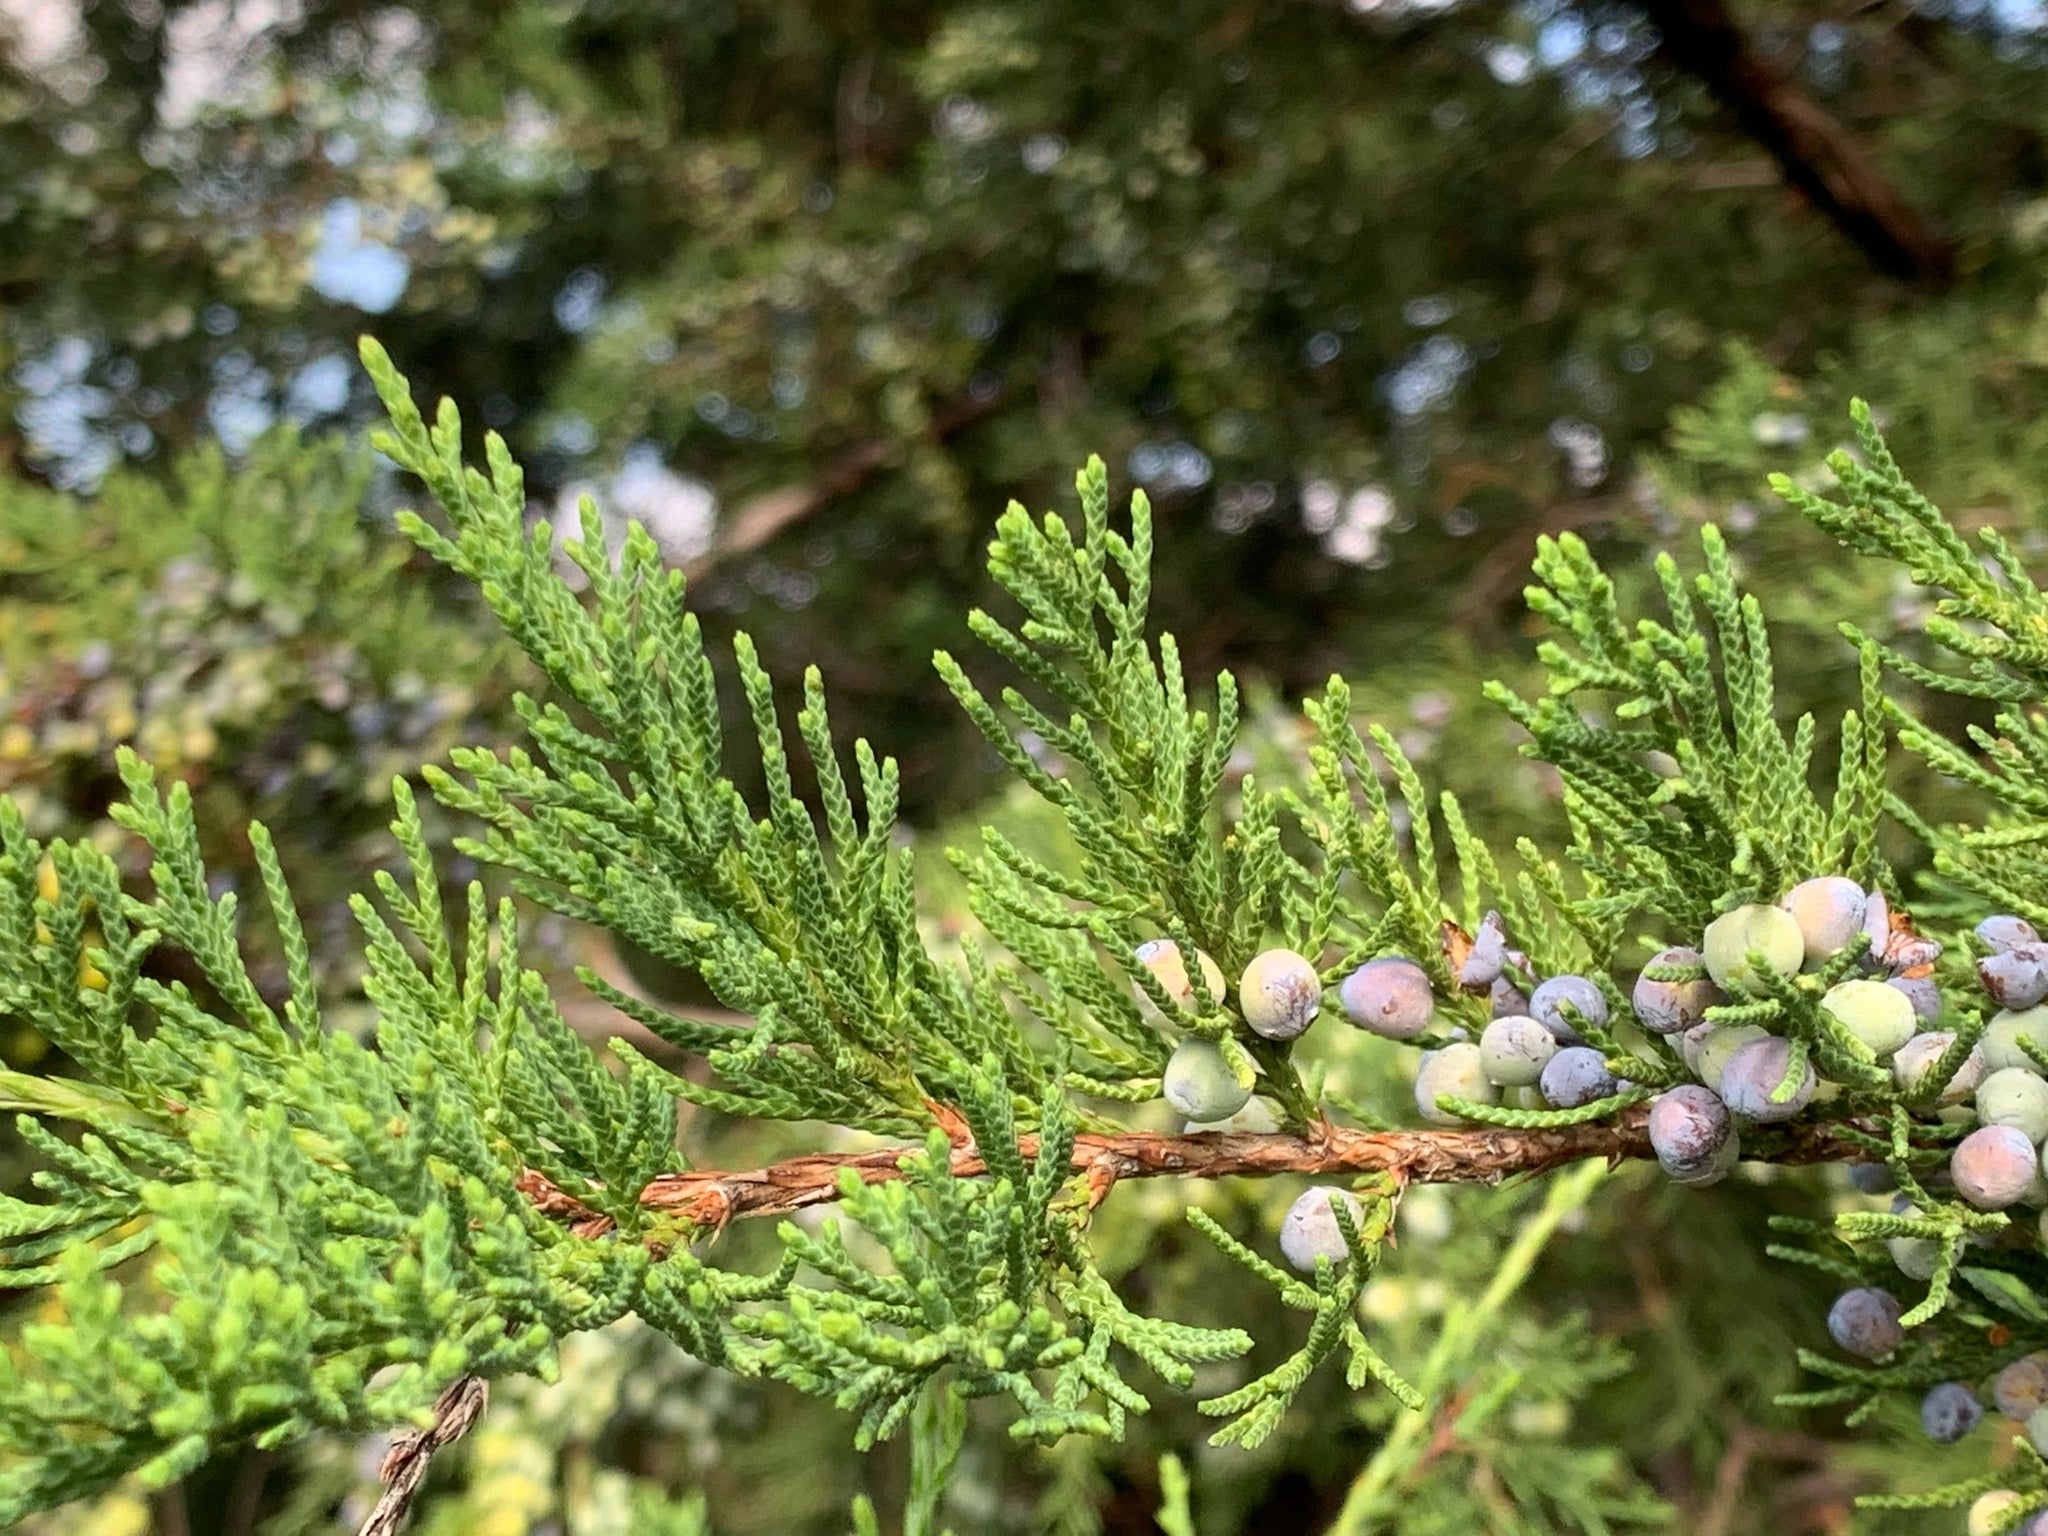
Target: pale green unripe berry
[[1162, 957], [1879, 1015], [1829, 912], [1989, 1506], [2001, 1042], [1455, 1072], [1256, 1118], [1200, 1082], [1513, 1051], [1916, 1059], [1731, 936], [2016, 1097], [1280, 994], [2037, 1428], [1716, 1044], [1916, 1257], [1309, 1230]]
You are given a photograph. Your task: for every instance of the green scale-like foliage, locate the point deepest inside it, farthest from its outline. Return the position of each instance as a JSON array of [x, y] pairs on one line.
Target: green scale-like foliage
[[252, 1225]]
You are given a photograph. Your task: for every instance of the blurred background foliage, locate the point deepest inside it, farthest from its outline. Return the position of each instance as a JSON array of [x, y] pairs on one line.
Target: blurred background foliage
[[1366, 294]]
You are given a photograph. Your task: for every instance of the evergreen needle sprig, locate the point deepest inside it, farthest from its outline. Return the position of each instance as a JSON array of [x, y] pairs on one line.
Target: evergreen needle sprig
[[254, 1226]]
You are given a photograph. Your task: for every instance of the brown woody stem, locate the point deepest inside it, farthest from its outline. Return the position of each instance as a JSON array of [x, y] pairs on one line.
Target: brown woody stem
[[404, 1467], [1481, 1155]]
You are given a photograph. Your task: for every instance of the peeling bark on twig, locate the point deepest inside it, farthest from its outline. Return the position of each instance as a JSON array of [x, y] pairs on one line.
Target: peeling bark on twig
[[1480, 1155], [404, 1467]]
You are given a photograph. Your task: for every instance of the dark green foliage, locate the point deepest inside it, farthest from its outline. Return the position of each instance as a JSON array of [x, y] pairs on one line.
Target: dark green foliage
[[254, 629], [262, 1227], [1461, 262]]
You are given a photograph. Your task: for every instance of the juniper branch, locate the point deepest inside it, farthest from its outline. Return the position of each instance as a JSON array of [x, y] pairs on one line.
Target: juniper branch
[[1491, 1155]]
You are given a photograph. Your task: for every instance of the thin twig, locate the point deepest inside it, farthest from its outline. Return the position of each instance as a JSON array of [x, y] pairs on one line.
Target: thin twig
[[404, 1467], [1482, 1155], [760, 518]]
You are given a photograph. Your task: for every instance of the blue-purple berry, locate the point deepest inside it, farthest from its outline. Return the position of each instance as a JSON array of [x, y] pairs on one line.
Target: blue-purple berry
[[2004, 931], [1673, 1007], [1949, 1411], [1865, 1322], [2015, 978], [1872, 1179], [1689, 1125], [1754, 1076], [1506, 998], [1575, 1076], [1563, 1003], [1488, 956], [1390, 997]]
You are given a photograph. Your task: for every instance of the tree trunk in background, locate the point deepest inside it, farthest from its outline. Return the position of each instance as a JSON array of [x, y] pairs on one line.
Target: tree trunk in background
[[1818, 155]]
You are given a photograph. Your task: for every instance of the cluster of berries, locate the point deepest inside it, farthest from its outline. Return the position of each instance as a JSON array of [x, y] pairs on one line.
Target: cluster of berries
[[1952, 1409], [1746, 1075], [2002, 1086], [1999, 1164], [1534, 1053], [1279, 996]]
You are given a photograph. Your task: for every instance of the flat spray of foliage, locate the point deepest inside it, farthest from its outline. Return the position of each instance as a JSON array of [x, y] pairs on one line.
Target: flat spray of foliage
[[252, 1227]]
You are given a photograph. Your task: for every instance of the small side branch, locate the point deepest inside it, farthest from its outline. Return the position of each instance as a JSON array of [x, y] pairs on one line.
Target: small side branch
[[404, 1467], [1482, 1155], [757, 520]]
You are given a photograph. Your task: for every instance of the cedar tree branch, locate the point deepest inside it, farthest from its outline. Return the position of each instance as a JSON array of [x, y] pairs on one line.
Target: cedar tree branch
[[1480, 1155]]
